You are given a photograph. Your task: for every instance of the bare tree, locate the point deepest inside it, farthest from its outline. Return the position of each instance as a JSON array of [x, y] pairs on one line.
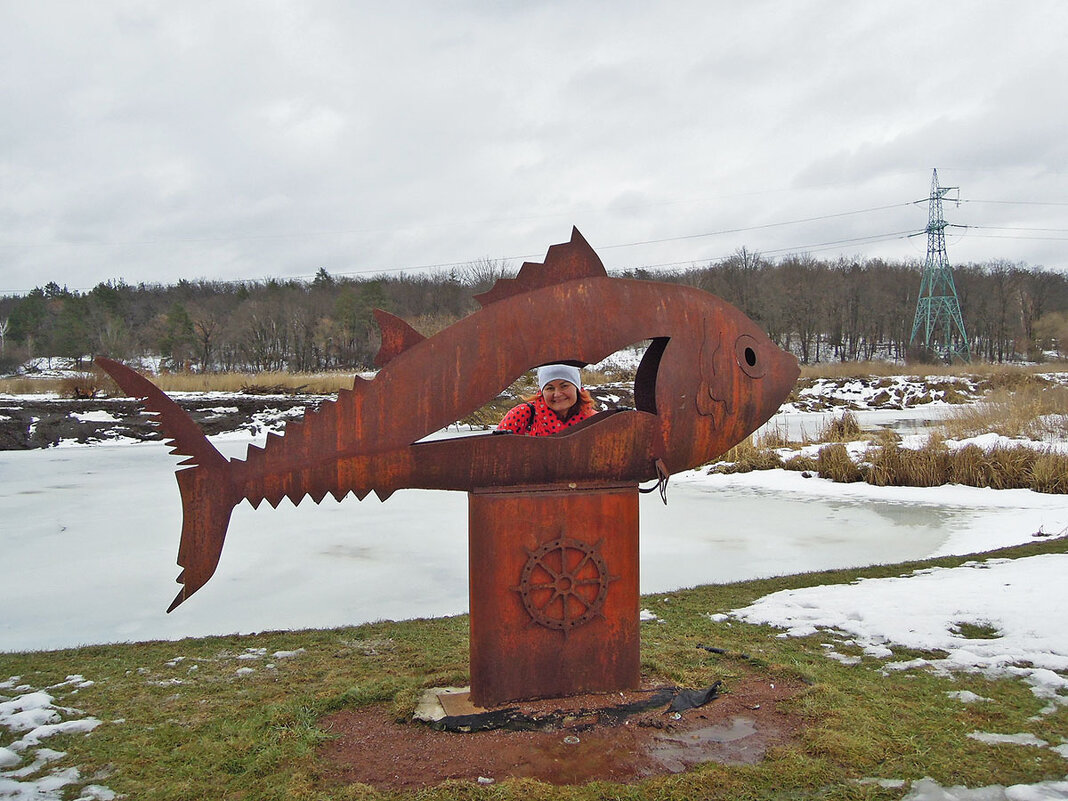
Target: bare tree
[[207, 328], [482, 274]]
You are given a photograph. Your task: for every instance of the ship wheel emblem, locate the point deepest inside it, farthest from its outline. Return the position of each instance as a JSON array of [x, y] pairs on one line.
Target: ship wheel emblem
[[564, 583]]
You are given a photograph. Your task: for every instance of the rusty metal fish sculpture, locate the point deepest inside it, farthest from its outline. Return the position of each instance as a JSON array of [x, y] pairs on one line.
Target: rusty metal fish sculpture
[[709, 378]]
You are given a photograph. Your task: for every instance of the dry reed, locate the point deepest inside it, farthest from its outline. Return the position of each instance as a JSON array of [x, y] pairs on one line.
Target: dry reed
[[746, 457], [844, 428], [1033, 410], [969, 466], [1049, 473], [772, 439], [835, 463], [1010, 467], [801, 463]]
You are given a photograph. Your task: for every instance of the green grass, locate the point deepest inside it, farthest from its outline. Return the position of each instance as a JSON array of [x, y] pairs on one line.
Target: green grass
[[194, 728]]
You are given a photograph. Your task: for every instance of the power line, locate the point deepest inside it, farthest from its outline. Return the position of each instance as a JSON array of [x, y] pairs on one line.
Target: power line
[[810, 248], [344, 231], [753, 227], [813, 248], [1018, 202], [445, 265], [1023, 238], [1006, 228]]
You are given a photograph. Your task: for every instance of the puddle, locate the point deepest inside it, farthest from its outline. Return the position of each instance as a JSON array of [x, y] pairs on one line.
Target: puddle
[[731, 743]]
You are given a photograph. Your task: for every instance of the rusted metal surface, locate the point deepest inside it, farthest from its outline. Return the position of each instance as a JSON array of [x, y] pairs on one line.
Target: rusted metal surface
[[554, 592], [709, 378]]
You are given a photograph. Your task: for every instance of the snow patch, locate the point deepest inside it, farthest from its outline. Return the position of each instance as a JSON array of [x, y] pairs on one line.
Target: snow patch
[[35, 712], [1022, 738]]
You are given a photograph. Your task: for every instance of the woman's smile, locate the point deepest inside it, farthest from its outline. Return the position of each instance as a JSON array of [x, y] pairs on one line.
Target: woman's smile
[[560, 396]]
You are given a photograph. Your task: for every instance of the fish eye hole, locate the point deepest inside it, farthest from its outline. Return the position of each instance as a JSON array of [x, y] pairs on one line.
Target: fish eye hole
[[745, 351]]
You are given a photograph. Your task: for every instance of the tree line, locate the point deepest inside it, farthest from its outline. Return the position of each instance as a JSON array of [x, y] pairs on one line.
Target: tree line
[[821, 310]]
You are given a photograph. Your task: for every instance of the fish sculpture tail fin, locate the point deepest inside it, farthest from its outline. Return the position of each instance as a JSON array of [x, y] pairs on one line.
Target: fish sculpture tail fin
[[206, 482], [206, 510]]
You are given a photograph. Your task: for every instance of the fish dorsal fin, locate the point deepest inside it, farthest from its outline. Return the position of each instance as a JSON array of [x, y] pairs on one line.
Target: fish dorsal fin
[[397, 337], [566, 262]]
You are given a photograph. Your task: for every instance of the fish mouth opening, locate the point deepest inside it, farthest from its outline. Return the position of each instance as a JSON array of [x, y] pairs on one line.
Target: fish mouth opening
[[613, 396]]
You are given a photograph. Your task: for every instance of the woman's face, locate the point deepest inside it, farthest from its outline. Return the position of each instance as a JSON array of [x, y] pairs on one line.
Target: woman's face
[[560, 395]]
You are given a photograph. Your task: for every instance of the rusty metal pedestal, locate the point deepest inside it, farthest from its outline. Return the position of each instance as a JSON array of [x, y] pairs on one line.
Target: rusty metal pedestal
[[554, 591]]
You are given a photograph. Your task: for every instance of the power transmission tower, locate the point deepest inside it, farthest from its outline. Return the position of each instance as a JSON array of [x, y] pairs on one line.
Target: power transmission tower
[[938, 326]]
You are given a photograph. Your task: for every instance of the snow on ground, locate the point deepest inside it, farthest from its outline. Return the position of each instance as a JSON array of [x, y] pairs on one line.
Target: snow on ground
[[1015, 605], [931, 610], [34, 715], [997, 617], [900, 391]]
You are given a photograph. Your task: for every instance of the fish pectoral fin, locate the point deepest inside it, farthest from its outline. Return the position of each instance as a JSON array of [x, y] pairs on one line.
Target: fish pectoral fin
[[711, 406], [397, 337]]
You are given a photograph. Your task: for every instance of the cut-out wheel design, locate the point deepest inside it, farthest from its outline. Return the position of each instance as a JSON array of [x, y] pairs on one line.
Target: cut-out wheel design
[[564, 583]]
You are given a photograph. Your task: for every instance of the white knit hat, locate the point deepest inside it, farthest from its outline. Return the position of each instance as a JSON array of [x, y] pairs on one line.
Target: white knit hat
[[556, 372]]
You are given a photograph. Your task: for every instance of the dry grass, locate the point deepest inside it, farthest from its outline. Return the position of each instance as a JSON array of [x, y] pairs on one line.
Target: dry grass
[[746, 457], [887, 463], [930, 466], [835, 463], [885, 436], [801, 463], [772, 439], [1049, 473], [844, 428], [1016, 467], [969, 466], [1034, 411], [313, 383], [19, 385], [1010, 467]]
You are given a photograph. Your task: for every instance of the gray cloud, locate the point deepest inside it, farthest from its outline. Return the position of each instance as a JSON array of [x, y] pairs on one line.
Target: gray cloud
[[235, 140]]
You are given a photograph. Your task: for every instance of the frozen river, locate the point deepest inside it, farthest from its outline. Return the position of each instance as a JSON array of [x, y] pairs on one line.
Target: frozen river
[[89, 535]]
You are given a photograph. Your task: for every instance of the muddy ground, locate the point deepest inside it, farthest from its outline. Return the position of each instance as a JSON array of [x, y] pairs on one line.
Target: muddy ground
[[588, 744], [43, 423]]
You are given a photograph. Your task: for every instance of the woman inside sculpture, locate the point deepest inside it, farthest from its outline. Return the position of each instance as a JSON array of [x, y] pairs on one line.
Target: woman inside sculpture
[[559, 403]]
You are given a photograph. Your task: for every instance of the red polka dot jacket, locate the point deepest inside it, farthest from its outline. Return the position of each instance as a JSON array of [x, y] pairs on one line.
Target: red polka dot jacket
[[545, 421]]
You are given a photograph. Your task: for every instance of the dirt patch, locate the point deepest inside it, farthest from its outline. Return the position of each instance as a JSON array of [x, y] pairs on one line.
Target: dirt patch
[[736, 728], [44, 423]]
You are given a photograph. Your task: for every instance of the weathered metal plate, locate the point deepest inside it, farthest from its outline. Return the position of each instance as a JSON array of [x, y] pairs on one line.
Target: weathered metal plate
[[554, 593]]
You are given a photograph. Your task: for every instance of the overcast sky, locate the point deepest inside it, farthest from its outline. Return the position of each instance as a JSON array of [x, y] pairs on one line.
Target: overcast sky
[[243, 140]]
